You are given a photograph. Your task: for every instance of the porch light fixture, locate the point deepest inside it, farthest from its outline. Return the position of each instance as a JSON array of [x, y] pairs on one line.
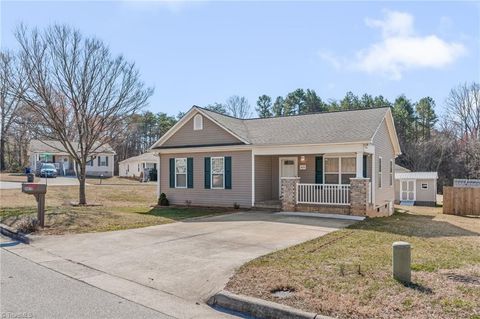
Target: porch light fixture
[[302, 159]]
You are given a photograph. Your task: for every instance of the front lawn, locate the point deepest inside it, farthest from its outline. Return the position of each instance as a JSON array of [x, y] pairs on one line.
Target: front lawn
[[115, 207], [347, 273]]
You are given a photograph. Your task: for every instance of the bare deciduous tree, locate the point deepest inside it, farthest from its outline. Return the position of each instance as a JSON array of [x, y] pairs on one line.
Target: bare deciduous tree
[[11, 88], [463, 107], [80, 94], [239, 107]]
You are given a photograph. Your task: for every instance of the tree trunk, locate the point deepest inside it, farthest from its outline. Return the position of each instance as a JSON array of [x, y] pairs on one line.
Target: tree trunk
[[81, 175], [2, 153]]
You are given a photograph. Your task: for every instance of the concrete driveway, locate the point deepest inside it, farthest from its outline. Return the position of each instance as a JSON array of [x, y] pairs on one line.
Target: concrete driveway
[[174, 268]]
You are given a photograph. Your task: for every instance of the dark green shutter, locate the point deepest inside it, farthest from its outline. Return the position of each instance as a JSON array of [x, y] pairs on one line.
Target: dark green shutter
[[98, 160], [172, 172], [228, 172], [207, 172], [106, 160], [190, 172], [318, 169], [364, 166]]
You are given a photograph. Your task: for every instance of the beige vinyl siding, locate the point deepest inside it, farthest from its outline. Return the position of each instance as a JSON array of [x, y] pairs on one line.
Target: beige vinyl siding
[[383, 149], [263, 178], [241, 181], [397, 191], [211, 134], [425, 195]]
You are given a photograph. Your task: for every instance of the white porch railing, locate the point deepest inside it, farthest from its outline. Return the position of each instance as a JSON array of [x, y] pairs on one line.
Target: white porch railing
[[330, 194]]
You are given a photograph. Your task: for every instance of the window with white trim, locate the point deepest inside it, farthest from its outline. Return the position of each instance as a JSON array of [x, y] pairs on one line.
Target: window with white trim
[[339, 170], [218, 172], [180, 173], [392, 163], [102, 161], [424, 186], [379, 172], [198, 122]]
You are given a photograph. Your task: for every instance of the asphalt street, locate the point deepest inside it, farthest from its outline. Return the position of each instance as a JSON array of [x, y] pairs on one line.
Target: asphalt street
[[28, 290]]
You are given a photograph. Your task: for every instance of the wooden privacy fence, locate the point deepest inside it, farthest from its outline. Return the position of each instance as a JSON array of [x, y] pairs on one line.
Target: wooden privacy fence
[[461, 200]]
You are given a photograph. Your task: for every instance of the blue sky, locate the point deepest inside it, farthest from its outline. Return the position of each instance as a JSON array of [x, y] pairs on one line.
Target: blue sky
[[204, 52]]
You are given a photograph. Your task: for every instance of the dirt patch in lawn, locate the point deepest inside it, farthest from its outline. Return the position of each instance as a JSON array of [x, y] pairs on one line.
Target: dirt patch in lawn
[[347, 274], [114, 207]]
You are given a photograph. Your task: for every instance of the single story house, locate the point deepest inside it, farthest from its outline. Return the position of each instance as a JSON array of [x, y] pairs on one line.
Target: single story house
[[133, 166], [50, 151], [339, 162], [416, 188]]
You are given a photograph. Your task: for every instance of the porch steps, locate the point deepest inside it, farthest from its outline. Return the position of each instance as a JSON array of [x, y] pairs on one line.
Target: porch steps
[[271, 205], [407, 203]]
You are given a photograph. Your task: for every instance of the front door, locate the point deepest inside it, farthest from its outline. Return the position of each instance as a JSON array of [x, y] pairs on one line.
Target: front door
[[407, 190], [287, 168]]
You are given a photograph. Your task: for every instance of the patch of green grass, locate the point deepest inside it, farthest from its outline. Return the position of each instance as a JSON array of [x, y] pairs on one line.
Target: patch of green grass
[[180, 213], [451, 305], [424, 267], [16, 211]]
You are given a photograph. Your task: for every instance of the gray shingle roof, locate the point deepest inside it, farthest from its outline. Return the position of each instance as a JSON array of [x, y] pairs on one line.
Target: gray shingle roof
[[317, 128], [145, 157], [52, 146]]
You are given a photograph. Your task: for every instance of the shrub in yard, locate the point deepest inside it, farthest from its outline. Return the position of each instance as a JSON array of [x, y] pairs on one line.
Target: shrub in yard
[[28, 225], [162, 200], [236, 205]]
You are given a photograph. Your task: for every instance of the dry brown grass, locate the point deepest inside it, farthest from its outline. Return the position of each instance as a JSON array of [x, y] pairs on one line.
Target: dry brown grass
[[115, 180], [117, 207], [325, 276]]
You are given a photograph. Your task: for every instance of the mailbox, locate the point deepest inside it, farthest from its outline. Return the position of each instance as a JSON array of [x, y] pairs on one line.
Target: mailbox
[[39, 191], [34, 188]]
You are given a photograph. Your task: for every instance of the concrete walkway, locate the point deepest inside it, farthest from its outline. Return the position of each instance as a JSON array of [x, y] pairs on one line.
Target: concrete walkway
[[174, 268]]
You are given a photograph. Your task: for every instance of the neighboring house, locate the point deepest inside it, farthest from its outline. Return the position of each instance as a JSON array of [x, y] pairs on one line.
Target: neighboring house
[[133, 166], [216, 160], [401, 169], [416, 188], [49, 151]]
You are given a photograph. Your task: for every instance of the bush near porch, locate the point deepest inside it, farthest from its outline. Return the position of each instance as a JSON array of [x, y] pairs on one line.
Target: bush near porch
[[119, 207], [347, 273]]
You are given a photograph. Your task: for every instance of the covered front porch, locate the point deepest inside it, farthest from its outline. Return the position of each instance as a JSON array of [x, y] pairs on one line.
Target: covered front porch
[[63, 162], [322, 180]]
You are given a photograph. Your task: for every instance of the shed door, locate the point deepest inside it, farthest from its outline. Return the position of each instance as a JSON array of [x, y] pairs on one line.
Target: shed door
[[407, 190]]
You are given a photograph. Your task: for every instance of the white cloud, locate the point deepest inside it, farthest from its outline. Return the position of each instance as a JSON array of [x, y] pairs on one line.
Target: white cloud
[[400, 49], [174, 6]]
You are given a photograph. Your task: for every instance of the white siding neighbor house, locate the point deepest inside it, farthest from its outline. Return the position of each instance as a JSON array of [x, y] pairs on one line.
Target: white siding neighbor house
[[48, 151], [133, 166]]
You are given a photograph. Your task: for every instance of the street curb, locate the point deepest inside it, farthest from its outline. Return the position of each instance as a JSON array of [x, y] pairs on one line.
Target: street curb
[[259, 308], [14, 234]]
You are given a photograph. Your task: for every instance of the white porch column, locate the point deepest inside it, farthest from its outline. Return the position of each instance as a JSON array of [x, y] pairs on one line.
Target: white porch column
[[159, 191], [253, 179], [359, 165]]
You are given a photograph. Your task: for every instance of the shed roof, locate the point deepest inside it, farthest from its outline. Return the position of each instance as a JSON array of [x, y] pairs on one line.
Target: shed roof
[[416, 175]]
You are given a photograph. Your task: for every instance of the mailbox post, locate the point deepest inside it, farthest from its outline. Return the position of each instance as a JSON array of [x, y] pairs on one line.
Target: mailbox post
[[39, 191]]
